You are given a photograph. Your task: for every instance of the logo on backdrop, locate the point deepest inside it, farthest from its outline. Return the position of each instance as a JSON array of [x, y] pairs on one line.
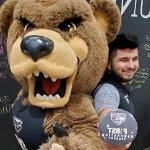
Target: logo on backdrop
[[5, 104], [140, 8]]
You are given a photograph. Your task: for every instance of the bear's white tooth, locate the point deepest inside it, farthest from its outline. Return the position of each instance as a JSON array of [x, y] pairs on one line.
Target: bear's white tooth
[[57, 96], [36, 73], [38, 96], [51, 97], [45, 75], [45, 97], [53, 79], [29, 76]]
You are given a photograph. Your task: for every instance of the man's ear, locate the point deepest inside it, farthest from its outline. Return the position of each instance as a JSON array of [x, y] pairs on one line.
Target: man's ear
[[6, 14], [108, 17], [108, 66]]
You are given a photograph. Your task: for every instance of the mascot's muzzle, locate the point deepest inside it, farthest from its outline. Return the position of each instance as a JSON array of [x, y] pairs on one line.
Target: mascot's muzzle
[[36, 46]]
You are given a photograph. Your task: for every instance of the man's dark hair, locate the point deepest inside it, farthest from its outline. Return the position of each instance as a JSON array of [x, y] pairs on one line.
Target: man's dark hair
[[123, 41]]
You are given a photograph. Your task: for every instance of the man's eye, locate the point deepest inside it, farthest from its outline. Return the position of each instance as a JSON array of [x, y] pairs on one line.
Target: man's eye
[[135, 59], [70, 24], [124, 60]]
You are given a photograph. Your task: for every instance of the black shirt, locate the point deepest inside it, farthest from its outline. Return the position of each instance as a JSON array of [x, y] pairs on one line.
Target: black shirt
[[126, 102]]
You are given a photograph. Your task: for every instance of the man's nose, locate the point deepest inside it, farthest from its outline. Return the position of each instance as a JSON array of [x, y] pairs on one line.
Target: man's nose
[[131, 64]]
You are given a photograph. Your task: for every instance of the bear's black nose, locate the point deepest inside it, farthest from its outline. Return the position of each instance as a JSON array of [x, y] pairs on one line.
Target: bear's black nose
[[36, 46]]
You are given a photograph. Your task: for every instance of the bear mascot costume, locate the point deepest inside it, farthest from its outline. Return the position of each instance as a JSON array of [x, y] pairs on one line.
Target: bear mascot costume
[[58, 50]]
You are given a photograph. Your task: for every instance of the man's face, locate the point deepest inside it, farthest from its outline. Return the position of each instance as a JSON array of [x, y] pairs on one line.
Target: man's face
[[124, 64]]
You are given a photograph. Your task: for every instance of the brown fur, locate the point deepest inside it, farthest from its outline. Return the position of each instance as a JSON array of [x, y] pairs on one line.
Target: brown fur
[[99, 23]]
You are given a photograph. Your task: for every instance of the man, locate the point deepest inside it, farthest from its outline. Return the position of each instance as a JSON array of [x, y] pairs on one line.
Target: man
[[123, 63]]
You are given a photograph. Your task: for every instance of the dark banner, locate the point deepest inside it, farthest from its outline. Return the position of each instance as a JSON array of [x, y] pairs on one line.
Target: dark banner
[[136, 20], [8, 91]]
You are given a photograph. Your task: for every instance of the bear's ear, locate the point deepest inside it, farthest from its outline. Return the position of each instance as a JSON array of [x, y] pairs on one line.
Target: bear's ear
[[6, 14], [108, 17]]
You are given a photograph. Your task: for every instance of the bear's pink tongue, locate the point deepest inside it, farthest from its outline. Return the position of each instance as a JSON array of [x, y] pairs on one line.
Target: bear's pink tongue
[[50, 87]]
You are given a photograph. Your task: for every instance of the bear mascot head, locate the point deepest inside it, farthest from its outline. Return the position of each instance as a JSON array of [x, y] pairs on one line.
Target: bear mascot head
[[58, 51]]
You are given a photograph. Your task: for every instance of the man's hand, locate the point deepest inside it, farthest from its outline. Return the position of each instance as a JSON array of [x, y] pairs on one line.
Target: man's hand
[[56, 146]]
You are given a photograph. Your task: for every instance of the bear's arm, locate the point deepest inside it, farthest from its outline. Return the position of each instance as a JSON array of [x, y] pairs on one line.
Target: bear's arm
[[80, 120]]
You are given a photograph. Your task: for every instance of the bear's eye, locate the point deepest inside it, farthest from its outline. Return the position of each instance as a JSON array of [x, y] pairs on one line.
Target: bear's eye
[[70, 24], [27, 24]]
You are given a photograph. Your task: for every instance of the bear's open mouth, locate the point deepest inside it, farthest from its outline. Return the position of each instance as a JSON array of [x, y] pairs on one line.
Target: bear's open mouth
[[49, 92], [49, 88]]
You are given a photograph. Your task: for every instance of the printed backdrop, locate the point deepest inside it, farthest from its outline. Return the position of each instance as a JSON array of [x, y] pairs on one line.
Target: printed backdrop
[[136, 20]]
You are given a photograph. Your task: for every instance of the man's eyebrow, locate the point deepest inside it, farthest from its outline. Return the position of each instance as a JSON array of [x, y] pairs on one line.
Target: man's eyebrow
[[123, 58], [136, 57]]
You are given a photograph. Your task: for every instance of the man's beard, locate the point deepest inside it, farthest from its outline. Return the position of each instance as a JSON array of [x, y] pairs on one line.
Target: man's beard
[[121, 79]]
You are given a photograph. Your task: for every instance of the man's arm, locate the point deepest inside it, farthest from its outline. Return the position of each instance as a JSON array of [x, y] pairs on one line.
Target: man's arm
[[106, 99]]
